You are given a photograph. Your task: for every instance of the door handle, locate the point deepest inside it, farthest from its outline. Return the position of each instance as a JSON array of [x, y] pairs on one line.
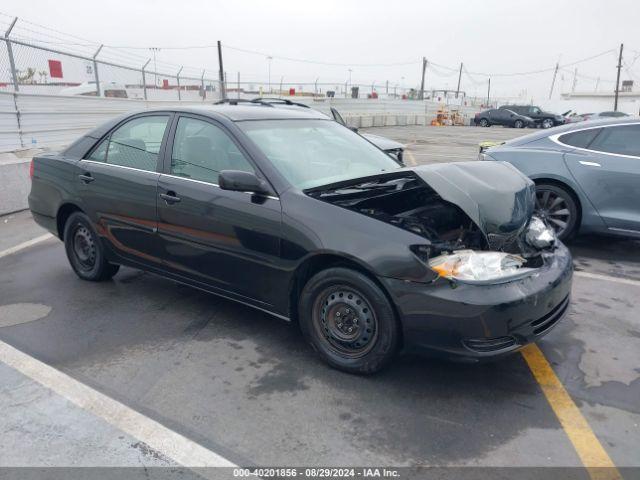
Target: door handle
[[86, 177], [170, 198]]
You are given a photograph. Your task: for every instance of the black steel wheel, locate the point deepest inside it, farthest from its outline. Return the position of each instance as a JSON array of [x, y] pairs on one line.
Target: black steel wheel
[[345, 319], [558, 208], [84, 251], [348, 320]]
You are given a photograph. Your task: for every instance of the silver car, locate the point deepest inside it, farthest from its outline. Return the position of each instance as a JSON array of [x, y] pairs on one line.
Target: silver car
[[587, 175]]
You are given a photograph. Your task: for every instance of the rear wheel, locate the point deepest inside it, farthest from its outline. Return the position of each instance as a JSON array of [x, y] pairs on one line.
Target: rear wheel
[[84, 250], [558, 208], [348, 319], [484, 122]]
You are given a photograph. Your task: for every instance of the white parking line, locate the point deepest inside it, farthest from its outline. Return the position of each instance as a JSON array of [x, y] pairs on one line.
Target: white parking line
[[607, 278], [23, 245], [158, 437]]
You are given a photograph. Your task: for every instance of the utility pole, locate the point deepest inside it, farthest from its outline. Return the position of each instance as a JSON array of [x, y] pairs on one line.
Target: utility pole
[[95, 70], [424, 69], [615, 103], [223, 90], [459, 78], [489, 92], [553, 82], [575, 80]]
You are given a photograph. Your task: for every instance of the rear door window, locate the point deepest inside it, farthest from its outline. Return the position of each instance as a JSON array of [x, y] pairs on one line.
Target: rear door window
[[135, 144], [621, 140], [580, 139]]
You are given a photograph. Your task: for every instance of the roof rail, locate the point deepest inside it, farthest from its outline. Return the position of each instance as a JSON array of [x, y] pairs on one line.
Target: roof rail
[[236, 101], [272, 100]]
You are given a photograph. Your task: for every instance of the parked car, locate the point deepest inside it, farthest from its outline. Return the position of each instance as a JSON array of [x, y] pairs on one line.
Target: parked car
[[587, 175], [291, 213], [393, 148], [540, 117], [595, 116], [503, 117]]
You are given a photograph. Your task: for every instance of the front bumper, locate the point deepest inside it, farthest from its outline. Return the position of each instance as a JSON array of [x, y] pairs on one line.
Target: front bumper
[[472, 322]]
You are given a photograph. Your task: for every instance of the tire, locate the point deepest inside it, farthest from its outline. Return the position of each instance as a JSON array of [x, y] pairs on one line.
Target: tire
[[484, 122], [349, 321], [557, 206], [547, 123], [518, 124], [84, 250]]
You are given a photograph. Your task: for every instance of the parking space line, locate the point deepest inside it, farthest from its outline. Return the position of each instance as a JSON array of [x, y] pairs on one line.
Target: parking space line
[[23, 245], [608, 278], [158, 437], [589, 449]]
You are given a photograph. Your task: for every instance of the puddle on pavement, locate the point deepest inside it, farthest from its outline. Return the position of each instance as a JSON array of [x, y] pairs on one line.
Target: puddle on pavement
[[18, 313]]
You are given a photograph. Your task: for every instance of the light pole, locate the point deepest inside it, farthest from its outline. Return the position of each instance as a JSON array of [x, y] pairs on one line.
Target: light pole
[[269, 61]]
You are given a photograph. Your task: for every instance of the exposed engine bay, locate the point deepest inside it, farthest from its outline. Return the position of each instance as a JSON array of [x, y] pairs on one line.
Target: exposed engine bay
[[405, 200]]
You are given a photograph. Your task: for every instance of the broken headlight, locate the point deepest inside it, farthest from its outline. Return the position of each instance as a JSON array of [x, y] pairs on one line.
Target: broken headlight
[[539, 234], [479, 267]]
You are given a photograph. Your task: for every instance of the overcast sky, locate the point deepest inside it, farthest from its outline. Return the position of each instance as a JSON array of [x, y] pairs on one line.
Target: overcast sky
[[493, 36]]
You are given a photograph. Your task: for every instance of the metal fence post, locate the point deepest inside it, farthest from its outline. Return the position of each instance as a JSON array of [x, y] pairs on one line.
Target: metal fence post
[[12, 64], [95, 70], [144, 79], [178, 81], [202, 85]]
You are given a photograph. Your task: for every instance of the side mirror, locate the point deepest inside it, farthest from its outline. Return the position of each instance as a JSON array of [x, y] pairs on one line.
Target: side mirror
[[238, 181], [353, 129]]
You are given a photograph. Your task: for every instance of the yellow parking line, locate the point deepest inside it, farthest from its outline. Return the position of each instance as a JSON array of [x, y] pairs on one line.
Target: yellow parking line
[[589, 449]]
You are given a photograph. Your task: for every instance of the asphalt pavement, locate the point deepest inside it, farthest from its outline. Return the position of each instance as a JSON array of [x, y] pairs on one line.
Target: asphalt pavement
[[245, 386]]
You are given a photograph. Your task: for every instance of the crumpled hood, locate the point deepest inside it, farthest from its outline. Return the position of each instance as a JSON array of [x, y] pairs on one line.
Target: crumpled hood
[[495, 195]]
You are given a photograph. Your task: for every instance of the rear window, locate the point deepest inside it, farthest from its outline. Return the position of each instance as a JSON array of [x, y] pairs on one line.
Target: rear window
[[621, 139], [580, 139]]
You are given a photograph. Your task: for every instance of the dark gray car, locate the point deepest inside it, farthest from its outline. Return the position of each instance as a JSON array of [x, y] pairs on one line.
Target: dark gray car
[[587, 175]]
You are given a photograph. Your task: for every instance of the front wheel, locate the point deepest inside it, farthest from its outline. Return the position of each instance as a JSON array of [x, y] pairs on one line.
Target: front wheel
[[558, 208], [84, 250], [518, 124], [484, 122], [349, 320], [547, 123]]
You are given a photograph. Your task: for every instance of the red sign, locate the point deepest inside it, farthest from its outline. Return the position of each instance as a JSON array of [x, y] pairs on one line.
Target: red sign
[[165, 83], [55, 68]]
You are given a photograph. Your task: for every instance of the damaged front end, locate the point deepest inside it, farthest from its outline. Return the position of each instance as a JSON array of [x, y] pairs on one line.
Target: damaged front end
[[475, 217]]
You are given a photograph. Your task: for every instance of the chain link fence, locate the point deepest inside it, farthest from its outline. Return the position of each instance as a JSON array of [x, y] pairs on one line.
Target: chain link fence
[[29, 68]]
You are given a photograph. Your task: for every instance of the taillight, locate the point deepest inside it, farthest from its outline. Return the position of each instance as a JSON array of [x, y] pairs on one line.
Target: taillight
[[31, 169]]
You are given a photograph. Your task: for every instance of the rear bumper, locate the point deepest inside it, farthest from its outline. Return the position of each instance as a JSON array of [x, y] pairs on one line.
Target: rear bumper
[[46, 222], [472, 322]]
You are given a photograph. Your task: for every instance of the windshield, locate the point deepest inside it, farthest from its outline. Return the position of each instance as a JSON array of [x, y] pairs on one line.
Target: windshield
[[310, 153]]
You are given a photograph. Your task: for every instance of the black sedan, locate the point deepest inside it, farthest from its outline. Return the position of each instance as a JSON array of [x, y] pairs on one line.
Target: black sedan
[[291, 213], [506, 118]]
